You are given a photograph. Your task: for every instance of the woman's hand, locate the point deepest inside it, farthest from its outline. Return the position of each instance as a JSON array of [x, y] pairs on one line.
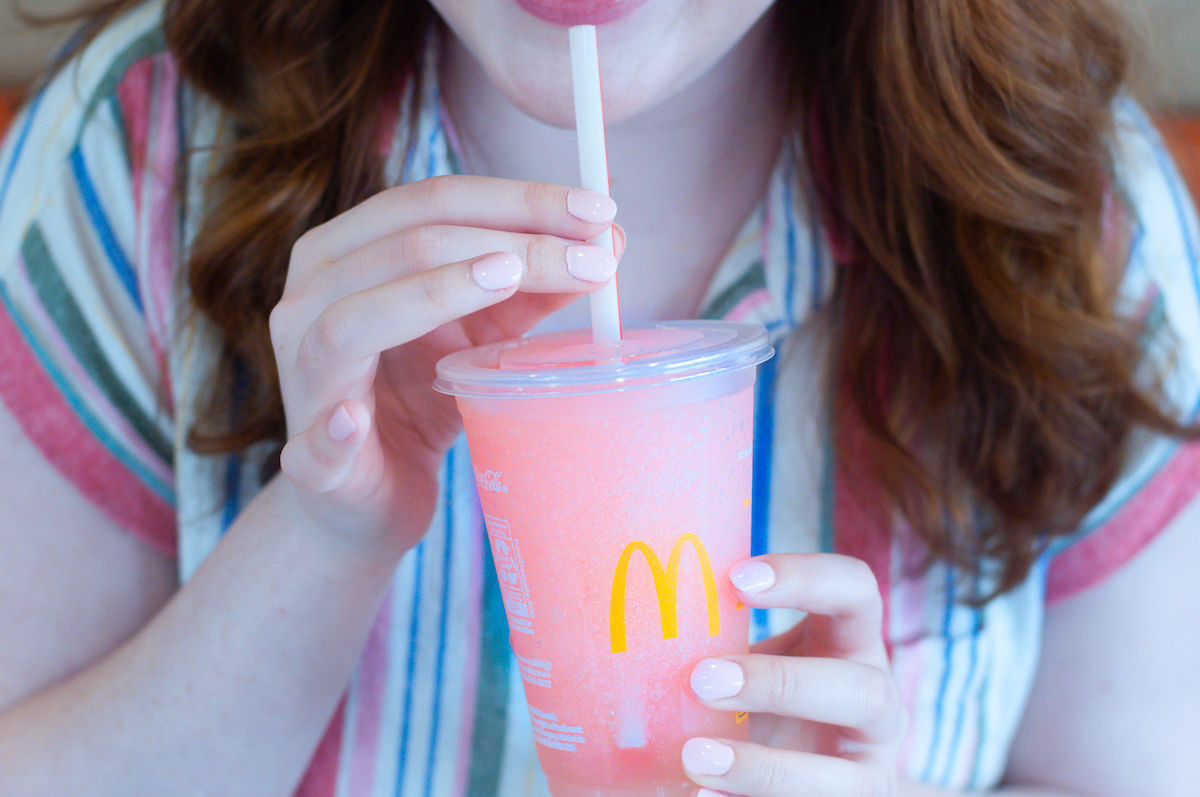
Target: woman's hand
[[827, 714], [376, 296]]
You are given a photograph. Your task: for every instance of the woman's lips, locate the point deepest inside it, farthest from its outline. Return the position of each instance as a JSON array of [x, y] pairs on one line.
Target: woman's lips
[[579, 12]]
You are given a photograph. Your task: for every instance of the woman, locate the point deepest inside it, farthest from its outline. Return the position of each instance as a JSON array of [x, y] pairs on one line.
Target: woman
[[973, 258]]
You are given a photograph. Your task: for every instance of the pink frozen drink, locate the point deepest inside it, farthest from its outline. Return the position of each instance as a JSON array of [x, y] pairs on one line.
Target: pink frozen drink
[[615, 484]]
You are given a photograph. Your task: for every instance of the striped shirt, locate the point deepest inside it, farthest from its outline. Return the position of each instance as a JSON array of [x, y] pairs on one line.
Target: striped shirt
[[101, 362]]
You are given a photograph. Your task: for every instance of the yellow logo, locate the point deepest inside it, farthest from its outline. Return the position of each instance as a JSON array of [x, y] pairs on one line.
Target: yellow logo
[[666, 584]]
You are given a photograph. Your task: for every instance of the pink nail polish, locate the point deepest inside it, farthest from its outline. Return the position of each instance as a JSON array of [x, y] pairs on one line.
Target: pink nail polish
[[590, 263], [707, 756], [714, 679], [752, 577], [590, 206], [497, 271], [341, 426]]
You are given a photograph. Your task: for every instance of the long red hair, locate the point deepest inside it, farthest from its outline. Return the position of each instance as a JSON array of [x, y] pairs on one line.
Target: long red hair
[[966, 150]]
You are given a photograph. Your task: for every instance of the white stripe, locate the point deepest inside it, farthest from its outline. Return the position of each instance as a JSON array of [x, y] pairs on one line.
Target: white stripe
[[53, 131], [392, 708]]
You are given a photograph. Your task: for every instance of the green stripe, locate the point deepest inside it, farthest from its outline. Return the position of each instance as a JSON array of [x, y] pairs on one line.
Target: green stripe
[[149, 43], [753, 280], [64, 311], [491, 691], [118, 121], [829, 477]]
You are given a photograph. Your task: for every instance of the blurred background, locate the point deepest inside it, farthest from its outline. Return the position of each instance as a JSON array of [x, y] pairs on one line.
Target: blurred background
[[1167, 76]]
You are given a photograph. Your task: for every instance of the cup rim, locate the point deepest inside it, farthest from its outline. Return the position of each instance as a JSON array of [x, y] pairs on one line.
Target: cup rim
[[489, 371]]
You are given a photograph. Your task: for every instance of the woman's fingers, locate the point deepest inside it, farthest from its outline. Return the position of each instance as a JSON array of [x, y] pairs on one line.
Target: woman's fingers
[[460, 200], [838, 692], [553, 264], [363, 324], [840, 594], [321, 458], [743, 768]]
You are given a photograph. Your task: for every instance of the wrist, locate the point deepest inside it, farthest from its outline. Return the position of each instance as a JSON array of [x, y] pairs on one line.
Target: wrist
[[334, 542]]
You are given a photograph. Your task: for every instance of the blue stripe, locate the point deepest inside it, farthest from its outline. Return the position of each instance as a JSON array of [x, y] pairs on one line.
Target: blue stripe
[[233, 490], [940, 704], [962, 702], [760, 503], [982, 736], [412, 666], [447, 568], [790, 293], [433, 135], [21, 139], [104, 231], [164, 491]]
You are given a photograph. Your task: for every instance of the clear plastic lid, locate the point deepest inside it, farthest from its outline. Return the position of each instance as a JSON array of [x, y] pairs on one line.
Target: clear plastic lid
[[570, 363]]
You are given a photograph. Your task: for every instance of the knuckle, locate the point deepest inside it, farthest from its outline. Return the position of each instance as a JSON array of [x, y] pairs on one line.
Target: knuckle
[[784, 684], [538, 198], [329, 337], [419, 246], [437, 290], [544, 255], [293, 464], [862, 573], [278, 322], [434, 193], [772, 774], [306, 249], [876, 695]]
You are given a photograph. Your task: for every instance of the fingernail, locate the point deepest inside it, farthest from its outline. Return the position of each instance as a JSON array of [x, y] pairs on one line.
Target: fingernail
[[714, 679], [590, 263], [752, 577], [710, 793], [707, 756], [341, 426], [590, 205], [496, 271]]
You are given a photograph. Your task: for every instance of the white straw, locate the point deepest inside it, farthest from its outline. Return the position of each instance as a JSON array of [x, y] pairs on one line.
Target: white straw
[[593, 165]]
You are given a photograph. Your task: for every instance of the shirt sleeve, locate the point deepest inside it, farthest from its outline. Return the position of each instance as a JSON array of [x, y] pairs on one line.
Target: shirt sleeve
[[82, 309], [1162, 288]]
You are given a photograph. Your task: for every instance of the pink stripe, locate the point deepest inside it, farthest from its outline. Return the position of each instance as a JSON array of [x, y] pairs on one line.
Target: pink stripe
[[862, 526], [320, 780], [133, 96], [748, 304], [1138, 521], [161, 219], [97, 401], [909, 597], [54, 428], [369, 688]]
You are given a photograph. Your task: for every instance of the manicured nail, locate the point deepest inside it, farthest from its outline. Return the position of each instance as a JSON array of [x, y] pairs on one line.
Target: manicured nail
[[590, 263], [707, 756], [590, 206], [710, 793], [341, 426], [752, 577], [713, 679], [496, 271]]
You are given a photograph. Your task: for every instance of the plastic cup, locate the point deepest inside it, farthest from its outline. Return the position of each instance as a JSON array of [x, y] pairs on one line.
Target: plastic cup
[[615, 483]]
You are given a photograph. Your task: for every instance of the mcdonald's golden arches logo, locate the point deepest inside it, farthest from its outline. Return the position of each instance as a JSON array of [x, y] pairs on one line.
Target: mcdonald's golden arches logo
[[666, 585]]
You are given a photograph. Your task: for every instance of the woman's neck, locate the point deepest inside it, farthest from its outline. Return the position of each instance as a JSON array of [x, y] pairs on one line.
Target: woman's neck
[[685, 174]]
